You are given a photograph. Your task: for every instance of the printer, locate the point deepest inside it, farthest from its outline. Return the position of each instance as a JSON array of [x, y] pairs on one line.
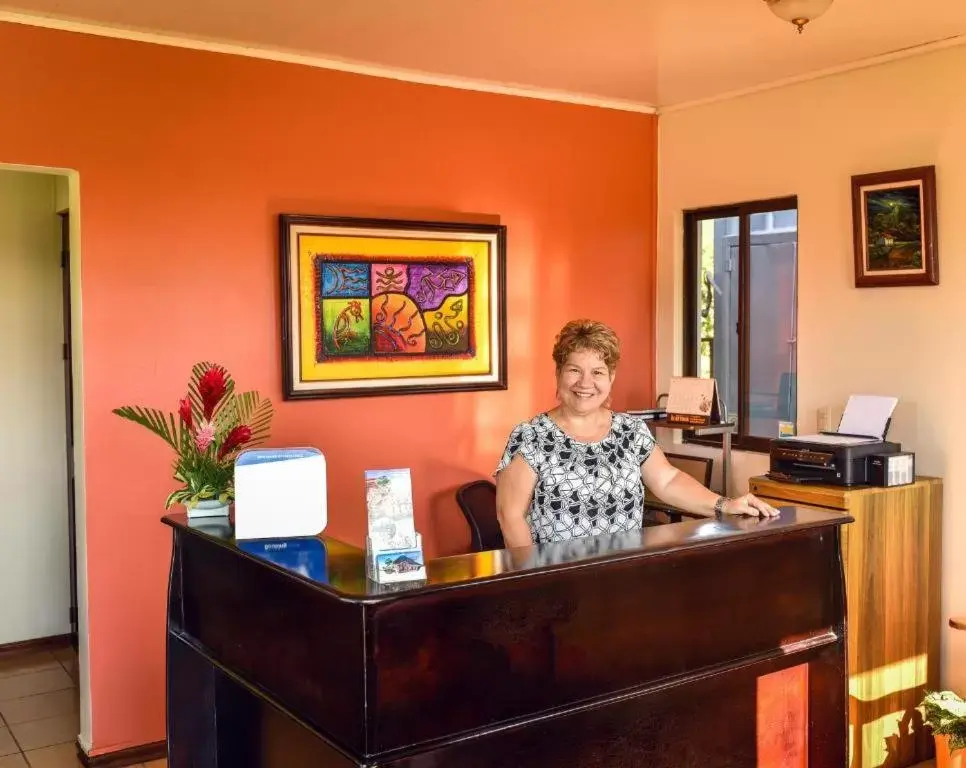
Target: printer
[[851, 455]]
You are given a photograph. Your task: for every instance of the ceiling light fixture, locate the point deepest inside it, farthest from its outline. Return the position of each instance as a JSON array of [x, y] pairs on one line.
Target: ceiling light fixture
[[798, 12]]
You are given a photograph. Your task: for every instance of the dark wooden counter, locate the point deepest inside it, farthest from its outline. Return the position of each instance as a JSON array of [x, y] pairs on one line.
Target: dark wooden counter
[[703, 643]]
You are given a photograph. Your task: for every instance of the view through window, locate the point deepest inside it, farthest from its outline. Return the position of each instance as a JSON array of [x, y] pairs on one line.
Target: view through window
[[741, 276]]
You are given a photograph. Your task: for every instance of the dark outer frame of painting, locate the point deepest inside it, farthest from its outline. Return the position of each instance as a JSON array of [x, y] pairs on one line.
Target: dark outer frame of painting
[[391, 306], [894, 223]]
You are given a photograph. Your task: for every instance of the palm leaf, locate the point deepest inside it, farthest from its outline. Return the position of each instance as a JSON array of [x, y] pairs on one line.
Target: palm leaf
[[257, 413], [152, 419], [197, 370], [227, 416], [245, 408], [261, 422]]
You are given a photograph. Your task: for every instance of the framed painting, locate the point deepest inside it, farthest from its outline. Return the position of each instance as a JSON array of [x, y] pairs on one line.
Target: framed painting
[[388, 307], [894, 228]]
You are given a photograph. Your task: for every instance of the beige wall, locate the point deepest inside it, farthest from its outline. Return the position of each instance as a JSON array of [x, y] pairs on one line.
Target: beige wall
[[808, 139], [35, 598]]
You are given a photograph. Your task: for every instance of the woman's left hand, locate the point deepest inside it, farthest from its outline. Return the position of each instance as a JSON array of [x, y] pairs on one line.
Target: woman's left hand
[[749, 505]]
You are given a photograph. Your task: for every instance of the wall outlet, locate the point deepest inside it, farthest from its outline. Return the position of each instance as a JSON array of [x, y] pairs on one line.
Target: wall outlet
[[824, 419]]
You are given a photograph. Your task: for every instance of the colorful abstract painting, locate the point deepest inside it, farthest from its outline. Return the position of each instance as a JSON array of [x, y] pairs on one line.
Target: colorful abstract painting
[[386, 307]]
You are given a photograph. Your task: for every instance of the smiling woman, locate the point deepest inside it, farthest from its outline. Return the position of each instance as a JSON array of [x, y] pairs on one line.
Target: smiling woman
[[580, 469]]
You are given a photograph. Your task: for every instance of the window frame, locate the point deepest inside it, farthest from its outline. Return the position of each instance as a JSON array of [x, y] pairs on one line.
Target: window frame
[[743, 212]]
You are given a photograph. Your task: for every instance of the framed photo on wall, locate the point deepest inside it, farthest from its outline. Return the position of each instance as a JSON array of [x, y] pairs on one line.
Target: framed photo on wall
[[388, 307], [894, 223]]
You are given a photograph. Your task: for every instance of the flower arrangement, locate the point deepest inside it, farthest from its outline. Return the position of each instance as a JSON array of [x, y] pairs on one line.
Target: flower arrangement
[[945, 713], [213, 423]]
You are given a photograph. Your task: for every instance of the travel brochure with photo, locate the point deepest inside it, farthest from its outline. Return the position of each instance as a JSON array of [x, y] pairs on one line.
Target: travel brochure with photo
[[389, 502], [394, 546]]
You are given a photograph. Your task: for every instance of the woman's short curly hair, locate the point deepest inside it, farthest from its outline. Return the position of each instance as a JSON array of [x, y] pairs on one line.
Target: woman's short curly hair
[[587, 336]]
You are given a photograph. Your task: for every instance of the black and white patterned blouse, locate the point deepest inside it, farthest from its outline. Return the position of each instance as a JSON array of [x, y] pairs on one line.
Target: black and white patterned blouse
[[583, 489]]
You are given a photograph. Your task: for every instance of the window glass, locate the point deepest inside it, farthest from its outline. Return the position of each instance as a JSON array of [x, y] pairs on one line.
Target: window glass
[[717, 314], [772, 339], [745, 337]]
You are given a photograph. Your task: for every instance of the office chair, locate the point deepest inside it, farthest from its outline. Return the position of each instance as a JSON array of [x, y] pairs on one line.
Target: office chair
[[477, 501], [699, 467]]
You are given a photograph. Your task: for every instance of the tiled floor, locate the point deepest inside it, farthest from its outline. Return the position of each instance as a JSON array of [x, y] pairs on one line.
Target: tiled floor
[[39, 711]]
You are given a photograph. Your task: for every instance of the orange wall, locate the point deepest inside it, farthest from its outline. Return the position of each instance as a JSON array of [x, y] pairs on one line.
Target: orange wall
[[185, 160]]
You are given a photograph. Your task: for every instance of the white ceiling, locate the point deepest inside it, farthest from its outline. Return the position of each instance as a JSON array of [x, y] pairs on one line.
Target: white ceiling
[[649, 52]]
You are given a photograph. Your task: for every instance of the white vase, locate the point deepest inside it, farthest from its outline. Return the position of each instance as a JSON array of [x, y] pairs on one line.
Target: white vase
[[208, 508]]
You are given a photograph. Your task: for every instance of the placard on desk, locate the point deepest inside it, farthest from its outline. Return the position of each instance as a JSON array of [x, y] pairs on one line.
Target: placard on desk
[[280, 493], [693, 402]]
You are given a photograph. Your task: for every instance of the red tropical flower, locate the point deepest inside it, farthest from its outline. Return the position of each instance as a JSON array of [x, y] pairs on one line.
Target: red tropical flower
[[212, 386], [184, 409], [235, 439]]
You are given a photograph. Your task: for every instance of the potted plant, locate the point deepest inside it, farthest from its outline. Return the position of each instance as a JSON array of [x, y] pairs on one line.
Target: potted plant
[[212, 425], [945, 713]]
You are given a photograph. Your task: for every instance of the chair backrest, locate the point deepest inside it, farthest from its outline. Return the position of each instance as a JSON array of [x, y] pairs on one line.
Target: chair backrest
[[699, 467], [477, 500]]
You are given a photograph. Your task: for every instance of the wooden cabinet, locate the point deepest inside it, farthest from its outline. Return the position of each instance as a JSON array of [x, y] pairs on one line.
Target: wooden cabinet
[[893, 557]]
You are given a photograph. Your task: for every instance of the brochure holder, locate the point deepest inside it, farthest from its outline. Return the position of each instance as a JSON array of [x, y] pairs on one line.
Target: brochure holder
[[387, 566], [394, 548]]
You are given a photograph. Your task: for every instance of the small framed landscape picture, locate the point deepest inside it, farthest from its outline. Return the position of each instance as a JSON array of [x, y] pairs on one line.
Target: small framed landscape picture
[[894, 224]]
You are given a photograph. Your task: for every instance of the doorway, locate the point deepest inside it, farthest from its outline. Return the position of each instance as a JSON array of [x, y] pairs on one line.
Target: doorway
[[39, 669]]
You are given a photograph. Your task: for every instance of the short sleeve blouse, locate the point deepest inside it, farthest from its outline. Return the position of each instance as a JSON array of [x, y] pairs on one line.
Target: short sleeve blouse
[[582, 489]]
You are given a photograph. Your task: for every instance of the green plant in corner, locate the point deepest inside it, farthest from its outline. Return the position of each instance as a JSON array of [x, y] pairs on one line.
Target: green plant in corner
[[945, 713], [213, 423]]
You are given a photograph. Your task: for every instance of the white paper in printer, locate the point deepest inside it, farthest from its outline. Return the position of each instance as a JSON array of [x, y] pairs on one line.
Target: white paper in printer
[[864, 421], [867, 415]]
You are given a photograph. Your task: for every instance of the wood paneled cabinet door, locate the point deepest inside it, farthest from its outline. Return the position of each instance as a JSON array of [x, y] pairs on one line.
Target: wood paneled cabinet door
[[892, 555]]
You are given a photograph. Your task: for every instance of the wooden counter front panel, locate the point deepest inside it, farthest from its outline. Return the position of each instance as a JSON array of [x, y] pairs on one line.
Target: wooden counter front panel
[[548, 641], [772, 714], [893, 558], [695, 646], [277, 633], [713, 722]]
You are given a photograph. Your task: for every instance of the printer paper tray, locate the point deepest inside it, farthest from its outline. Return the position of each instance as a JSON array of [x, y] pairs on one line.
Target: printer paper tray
[[783, 477]]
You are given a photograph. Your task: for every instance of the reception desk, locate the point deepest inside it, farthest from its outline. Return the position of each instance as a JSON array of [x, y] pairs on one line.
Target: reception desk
[[703, 643]]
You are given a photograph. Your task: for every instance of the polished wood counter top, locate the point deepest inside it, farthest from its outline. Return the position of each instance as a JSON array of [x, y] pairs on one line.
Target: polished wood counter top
[[717, 643], [341, 570]]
